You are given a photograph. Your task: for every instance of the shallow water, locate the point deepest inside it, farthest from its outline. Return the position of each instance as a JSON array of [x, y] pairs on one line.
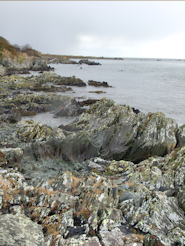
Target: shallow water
[[48, 119]]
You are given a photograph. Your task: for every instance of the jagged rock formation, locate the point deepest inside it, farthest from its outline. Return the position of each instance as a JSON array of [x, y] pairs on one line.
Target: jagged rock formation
[[113, 131]]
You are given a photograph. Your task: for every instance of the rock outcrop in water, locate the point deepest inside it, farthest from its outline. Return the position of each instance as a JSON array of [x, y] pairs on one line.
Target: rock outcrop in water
[[86, 61], [114, 176], [98, 84]]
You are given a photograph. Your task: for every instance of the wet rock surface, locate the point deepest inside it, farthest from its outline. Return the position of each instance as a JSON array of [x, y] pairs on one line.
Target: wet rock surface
[[114, 176]]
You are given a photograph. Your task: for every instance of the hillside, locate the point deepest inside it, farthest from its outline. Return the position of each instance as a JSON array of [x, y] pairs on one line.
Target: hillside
[[16, 59], [15, 51]]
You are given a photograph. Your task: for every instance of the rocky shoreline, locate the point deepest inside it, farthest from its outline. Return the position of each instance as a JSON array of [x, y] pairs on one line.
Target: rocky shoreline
[[111, 177], [114, 176]]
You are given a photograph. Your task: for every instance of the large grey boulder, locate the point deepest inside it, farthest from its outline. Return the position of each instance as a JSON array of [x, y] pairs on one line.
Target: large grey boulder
[[20, 230], [112, 131]]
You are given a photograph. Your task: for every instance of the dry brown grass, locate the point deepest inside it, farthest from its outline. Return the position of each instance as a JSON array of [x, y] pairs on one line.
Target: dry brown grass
[[9, 190], [129, 183], [51, 229], [139, 236]]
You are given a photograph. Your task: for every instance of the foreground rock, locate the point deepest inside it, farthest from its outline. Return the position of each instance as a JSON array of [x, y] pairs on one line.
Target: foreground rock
[[20, 230], [48, 179], [103, 203]]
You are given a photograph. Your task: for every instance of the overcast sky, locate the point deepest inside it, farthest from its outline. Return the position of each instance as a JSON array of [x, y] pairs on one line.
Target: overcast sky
[[151, 29]]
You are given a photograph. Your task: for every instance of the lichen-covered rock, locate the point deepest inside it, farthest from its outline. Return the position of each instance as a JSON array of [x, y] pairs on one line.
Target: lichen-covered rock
[[20, 230], [123, 199], [97, 193], [10, 156], [156, 214], [31, 130], [2, 70], [181, 136], [83, 240], [32, 104], [33, 83], [112, 238], [11, 117], [97, 83], [57, 79], [114, 131], [80, 182]]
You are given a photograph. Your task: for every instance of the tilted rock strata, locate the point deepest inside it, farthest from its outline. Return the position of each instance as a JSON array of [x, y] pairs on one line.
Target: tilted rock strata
[[113, 131]]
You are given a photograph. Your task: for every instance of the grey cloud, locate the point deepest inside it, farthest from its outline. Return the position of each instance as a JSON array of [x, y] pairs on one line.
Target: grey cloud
[[57, 27]]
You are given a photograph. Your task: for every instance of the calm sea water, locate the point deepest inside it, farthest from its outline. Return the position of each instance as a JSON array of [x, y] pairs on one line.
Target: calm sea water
[[149, 85]]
